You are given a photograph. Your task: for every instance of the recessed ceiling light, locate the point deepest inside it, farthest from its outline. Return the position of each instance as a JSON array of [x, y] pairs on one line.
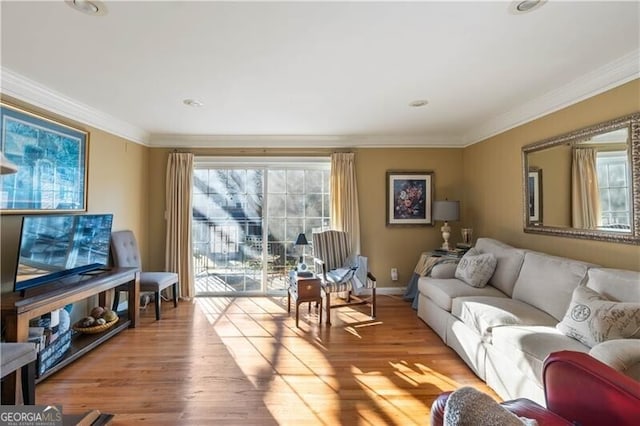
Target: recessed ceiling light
[[90, 7], [418, 103], [523, 6], [193, 103]]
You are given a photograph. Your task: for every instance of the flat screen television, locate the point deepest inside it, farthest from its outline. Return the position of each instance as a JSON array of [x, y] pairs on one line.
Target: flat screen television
[[53, 247]]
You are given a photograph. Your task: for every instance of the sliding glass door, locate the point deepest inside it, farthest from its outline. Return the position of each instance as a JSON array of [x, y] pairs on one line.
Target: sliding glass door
[[247, 214]]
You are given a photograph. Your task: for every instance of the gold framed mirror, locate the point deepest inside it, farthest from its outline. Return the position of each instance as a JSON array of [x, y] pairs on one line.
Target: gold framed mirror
[[585, 184]]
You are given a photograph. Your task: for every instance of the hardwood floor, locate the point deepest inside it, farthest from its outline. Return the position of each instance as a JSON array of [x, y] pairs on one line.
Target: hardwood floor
[[242, 361]]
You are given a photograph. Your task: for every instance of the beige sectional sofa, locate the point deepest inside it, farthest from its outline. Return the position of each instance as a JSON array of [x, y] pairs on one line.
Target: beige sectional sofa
[[505, 330]]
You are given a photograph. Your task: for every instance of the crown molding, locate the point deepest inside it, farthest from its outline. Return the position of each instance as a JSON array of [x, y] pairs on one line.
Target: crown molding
[[613, 74], [24, 89], [301, 141]]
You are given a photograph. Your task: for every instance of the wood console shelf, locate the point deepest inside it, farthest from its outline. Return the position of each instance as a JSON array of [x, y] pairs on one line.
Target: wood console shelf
[[17, 311], [82, 343]]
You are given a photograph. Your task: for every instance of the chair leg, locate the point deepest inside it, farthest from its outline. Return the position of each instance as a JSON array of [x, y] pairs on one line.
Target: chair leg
[[116, 300], [157, 296], [328, 307], [373, 303], [175, 295]]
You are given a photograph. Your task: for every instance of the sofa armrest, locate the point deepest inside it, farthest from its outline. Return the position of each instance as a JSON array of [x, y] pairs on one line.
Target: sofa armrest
[[437, 409], [444, 270], [620, 354], [586, 391]]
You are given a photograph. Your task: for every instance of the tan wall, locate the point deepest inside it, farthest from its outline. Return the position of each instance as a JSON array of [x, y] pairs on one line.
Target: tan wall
[[555, 164], [399, 246], [156, 223], [386, 247], [493, 180], [117, 183]]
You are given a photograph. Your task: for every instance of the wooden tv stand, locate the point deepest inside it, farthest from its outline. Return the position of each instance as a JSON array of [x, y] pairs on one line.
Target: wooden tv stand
[[17, 311]]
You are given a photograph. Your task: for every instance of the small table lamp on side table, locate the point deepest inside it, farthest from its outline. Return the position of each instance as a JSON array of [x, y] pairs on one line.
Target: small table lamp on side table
[[446, 211], [302, 268]]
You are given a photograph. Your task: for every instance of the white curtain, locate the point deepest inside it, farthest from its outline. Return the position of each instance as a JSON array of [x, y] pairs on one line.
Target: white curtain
[[345, 215], [585, 195], [178, 216]]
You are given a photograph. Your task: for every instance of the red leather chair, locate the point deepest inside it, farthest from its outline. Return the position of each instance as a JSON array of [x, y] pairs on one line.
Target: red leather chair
[[579, 390]]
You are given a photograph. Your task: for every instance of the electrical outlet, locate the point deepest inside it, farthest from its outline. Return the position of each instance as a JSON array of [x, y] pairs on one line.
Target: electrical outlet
[[394, 274]]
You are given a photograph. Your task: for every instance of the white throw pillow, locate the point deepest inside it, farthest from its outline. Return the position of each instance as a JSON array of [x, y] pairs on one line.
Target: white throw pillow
[[592, 319], [476, 268]]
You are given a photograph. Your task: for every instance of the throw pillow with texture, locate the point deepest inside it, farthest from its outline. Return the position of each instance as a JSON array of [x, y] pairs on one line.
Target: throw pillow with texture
[[476, 268], [468, 406], [592, 319]]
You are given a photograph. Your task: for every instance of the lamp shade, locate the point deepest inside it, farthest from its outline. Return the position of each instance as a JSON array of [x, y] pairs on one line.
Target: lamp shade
[[301, 240], [6, 166], [446, 210]]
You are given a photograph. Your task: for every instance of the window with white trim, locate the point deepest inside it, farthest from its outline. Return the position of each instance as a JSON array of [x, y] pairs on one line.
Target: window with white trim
[[247, 214], [613, 184]]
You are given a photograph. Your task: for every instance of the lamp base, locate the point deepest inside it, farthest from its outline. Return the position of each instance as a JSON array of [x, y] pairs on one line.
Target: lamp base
[[446, 233], [302, 267]]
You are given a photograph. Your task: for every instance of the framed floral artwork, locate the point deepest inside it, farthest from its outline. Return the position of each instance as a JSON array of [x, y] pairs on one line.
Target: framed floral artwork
[[409, 197], [51, 159]]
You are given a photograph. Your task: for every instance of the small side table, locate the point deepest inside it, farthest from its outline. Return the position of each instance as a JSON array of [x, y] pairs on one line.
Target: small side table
[[303, 289], [18, 356]]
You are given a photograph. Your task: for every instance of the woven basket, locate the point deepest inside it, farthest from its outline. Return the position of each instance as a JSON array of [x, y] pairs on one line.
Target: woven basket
[[96, 328]]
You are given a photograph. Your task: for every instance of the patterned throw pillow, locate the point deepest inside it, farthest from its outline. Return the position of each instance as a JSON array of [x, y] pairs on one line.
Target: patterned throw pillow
[[476, 268], [592, 319]]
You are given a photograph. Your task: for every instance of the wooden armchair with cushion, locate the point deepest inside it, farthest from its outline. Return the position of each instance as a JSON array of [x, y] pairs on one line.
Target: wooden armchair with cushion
[[342, 272]]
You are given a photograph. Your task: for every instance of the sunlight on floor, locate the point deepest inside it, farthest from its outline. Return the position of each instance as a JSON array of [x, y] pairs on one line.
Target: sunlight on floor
[[387, 393], [420, 374], [262, 339], [303, 380]]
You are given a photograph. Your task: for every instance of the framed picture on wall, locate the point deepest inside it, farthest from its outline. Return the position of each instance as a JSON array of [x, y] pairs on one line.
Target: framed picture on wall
[[535, 195], [51, 158], [409, 197]]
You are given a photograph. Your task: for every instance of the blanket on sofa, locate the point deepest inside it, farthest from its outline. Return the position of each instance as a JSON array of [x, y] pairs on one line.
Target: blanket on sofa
[[422, 269]]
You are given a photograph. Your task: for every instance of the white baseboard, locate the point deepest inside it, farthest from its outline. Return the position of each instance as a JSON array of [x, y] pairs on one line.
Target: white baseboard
[[392, 291]]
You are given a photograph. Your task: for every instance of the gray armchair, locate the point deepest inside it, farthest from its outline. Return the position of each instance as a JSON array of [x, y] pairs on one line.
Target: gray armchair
[[124, 249]]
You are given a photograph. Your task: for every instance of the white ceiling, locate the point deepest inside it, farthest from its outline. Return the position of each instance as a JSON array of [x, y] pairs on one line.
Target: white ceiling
[[314, 73]]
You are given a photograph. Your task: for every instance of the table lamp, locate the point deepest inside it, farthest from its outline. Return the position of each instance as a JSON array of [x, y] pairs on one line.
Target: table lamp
[[446, 211], [302, 241]]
